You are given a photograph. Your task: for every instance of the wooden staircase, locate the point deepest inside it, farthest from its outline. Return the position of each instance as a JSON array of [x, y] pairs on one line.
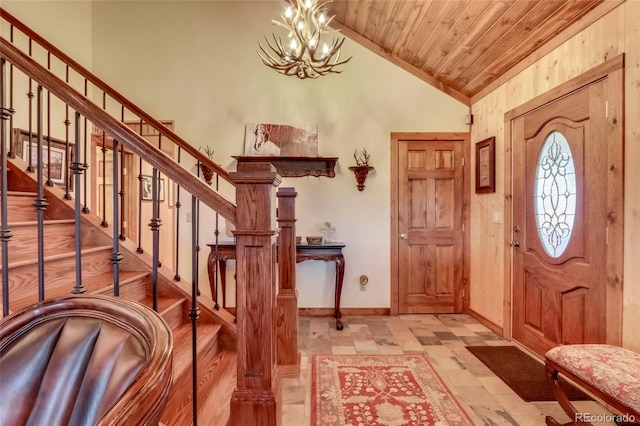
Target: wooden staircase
[[216, 340]]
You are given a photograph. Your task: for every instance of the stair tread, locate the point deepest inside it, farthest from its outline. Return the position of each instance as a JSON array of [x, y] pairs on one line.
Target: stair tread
[[58, 253], [215, 409], [22, 193], [45, 222]]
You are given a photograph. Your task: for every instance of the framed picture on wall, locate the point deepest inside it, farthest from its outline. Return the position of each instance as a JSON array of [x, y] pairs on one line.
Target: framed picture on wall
[[486, 166], [285, 140], [54, 155], [147, 191]]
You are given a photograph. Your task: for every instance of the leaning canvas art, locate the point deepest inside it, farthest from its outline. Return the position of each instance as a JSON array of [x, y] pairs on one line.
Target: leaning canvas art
[[281, 139]]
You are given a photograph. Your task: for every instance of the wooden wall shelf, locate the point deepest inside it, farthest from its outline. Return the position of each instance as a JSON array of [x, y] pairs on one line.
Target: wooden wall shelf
[[296, 166]]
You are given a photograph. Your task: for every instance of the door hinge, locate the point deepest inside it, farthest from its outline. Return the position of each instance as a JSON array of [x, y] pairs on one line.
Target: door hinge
[[606, 236], [462, 161], [606, 109], [463, 227]]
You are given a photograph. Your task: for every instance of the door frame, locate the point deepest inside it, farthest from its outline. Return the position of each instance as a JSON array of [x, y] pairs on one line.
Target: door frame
[[612, 70], [395, 138]]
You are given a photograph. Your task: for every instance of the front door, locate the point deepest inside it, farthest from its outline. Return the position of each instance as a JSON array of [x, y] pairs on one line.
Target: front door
[[560, 221], [430, 225]]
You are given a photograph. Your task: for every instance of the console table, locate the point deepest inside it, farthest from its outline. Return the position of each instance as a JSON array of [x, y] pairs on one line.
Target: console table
[[327, 252]]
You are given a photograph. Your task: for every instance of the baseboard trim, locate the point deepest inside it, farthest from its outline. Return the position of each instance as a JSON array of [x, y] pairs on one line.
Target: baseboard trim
[[328, 312], [324, 312], [487, 323]]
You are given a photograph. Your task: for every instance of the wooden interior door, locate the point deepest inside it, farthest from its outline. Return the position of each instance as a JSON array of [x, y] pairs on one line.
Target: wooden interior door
[[560, 221], [430, 225]]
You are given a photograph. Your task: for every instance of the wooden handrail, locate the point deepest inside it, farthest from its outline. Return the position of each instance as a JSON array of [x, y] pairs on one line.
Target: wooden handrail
[[67, 60], [120, 131]]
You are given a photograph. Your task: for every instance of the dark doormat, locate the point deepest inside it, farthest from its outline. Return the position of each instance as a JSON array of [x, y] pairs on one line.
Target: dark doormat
[[523, 374]]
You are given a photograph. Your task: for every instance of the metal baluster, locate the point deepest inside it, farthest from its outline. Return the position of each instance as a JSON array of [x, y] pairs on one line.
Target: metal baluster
[[217, 234], [195, 215], [164, 190], [78, 169], [140, 249], [155, 224], [194, 312], [67, 152], [49, 181], [10, 148], [122, 194], [116, 256], [104, 223], [5, 233], [85, 208], [30, 95], [40, 203], [177, 205]]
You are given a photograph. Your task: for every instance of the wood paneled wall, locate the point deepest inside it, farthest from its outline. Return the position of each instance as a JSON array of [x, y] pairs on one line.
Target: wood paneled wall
[[617, 32]]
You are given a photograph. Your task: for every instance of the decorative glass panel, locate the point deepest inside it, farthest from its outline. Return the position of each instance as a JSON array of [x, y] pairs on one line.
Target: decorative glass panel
[[555, 194]]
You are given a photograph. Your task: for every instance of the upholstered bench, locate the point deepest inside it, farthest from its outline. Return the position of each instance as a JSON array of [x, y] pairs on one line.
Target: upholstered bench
[[608, 372], [84, 360]]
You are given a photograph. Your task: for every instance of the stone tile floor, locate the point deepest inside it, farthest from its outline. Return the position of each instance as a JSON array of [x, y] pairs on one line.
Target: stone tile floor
[[443, 338]]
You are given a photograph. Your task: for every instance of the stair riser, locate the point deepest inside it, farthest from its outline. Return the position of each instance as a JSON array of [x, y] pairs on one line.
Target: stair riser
[[23, 280], [134, 290], [58, 237], [20, 208], [174, 315]]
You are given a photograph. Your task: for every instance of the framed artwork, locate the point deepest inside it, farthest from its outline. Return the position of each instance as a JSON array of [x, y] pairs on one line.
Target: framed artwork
[[147, 191], [54, 162], [263, 139], [486, 166]]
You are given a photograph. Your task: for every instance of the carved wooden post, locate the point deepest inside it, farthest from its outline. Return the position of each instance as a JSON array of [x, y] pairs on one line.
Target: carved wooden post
[[256, 399], [287, 355]]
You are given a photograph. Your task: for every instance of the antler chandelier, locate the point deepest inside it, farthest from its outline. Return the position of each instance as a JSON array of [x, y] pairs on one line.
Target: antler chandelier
[[307, 54]]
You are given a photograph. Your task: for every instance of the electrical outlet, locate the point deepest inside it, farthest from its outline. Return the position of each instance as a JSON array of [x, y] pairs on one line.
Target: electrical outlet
[[364, 280], [189, 217]]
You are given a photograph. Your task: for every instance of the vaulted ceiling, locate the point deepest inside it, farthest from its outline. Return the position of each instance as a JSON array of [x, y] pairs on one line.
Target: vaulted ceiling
[[464, 47]]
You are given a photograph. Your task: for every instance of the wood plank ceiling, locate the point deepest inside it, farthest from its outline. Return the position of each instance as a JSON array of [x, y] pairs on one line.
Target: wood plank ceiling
[[460, 46]]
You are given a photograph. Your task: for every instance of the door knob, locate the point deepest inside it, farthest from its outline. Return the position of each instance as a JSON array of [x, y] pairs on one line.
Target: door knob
[[514, 244], [404, 236]]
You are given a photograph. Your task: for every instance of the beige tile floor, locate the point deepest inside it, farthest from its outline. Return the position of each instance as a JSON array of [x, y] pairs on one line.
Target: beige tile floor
[[443, 338]]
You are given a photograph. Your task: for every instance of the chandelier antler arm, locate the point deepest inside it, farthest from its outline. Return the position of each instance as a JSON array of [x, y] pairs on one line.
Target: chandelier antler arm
[[308, 55]]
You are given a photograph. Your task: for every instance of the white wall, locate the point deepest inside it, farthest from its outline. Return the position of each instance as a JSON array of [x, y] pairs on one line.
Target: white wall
[[196, 63], [66, 24]]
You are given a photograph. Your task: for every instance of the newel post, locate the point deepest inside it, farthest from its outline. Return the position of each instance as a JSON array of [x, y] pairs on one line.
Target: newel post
[[256, 399], [287, 355]]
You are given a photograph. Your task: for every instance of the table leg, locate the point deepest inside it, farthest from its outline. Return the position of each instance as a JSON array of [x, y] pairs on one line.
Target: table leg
[[339, 279], [222, 265], [211, 270]]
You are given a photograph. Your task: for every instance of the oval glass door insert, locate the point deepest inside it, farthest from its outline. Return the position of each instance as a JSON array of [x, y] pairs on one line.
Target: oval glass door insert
[[555, 194]]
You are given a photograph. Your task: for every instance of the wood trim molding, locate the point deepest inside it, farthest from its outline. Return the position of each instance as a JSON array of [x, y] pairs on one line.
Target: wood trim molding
[[487, 323], [598, 12], [588, 77], [328, 312]]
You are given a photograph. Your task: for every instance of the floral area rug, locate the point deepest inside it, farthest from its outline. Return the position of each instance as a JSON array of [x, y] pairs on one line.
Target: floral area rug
[[390, 390]]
